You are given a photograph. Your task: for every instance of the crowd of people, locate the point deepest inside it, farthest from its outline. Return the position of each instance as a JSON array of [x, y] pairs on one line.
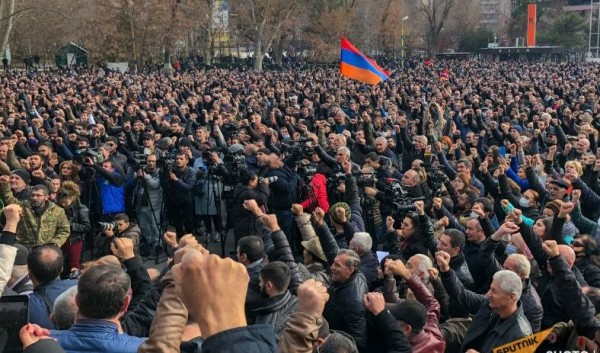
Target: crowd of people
[[428, 213]]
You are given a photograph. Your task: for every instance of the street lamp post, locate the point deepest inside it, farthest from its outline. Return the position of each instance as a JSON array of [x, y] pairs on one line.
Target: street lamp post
[[402, 39]]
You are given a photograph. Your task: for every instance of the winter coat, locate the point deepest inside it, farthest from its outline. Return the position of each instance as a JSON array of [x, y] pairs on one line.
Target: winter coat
[[277, 311], [79, 218], [51, 226], [345, 310], [318, 187], [245, 222], [487, 330]]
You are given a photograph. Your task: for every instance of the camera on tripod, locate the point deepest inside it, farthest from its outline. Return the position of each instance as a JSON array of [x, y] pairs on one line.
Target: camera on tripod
[[137, 160], [166, 161]]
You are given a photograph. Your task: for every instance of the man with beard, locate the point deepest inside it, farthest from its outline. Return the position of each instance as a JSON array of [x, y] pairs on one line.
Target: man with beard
[[42, 221], [79, 219]]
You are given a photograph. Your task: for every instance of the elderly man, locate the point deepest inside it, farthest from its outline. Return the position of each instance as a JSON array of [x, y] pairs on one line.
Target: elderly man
[[344, 310], [499, 317], [362, 243]]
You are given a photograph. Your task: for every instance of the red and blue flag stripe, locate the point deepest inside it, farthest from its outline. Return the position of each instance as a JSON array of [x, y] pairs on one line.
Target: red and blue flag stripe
[[358, 66]]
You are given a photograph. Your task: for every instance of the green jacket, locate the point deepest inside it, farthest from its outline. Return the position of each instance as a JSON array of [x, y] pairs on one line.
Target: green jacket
[[51, 227]]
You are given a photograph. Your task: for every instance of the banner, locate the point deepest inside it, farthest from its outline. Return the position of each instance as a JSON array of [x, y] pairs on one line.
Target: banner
[[531, 24], [526, 344]]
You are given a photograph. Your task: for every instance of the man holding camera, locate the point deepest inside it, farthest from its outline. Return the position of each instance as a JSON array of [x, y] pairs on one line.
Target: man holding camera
[[120, 228], [148, 202], [178, 188]]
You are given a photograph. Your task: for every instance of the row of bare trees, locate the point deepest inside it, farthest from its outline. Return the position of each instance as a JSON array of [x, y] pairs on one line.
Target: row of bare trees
[[152, 31]]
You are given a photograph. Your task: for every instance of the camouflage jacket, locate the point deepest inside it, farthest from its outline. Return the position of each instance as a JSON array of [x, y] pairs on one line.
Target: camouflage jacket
[[52, 226]]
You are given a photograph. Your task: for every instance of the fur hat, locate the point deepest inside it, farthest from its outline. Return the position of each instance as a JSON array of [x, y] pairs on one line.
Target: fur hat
[[346, 208], [69, 189]]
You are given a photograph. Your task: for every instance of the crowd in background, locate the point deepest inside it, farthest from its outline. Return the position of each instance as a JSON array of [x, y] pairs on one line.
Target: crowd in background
[[452, 212]]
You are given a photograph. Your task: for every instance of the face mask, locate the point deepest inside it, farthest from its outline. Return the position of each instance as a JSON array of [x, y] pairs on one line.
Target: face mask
[[538, 168], [474, 215], [510, 249], [523, 202]]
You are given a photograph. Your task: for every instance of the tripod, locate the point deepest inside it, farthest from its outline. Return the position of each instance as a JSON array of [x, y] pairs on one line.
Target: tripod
[[141, 190], [212, 187]]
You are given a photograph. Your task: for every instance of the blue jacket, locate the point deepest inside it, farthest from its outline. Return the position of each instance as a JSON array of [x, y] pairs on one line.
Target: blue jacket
[[113, 197], [42, 299], [96, 336]]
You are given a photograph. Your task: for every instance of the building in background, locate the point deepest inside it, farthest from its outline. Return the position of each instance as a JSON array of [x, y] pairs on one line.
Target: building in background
[[496, 14]]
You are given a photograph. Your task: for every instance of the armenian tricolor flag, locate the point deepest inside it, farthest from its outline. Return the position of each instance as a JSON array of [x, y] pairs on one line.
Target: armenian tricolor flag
[[358, 66]]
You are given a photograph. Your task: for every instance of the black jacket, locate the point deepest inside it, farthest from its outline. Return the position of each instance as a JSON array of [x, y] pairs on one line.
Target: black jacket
[[244, 222], [276, 312], [580, 308], [590, 272], [395, 339], [345, 311], [368, 266], [180, 191], [487, 330], [284, 192], [254, 300], [79, 218]]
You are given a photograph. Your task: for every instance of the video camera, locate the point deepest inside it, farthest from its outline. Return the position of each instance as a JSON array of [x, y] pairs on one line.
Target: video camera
[[166, 161], [300, 147], [137, 160], [395, 196]]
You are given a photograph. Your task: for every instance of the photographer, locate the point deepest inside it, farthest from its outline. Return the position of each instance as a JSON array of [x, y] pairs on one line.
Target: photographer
[[120, 228], [148, 200], [111, 187], [178, 187], [249, 188], [210, 173]]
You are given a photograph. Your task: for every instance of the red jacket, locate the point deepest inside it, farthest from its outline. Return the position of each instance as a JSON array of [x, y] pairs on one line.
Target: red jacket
[[430, 339], [318, 185]]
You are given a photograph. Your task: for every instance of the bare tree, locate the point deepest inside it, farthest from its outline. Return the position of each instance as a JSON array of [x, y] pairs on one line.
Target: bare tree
[[262, 22], [435, 13]]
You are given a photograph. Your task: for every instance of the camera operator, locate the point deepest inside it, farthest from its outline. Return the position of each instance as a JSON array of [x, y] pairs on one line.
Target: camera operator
[[284, 192], [111, 187], [210, 173], [120, 228], [383, 167], [148, 200], [178, 187], [249, 188]]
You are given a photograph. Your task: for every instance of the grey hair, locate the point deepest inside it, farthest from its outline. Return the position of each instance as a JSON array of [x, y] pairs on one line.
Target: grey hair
[[381, 139], [344, 150], [363, 241], [65, 309], [522, 264], [509, 282], [424, 265], [353, 258]]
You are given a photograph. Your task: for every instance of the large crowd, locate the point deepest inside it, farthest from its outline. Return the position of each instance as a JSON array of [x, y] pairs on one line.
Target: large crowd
[[429, 213]]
